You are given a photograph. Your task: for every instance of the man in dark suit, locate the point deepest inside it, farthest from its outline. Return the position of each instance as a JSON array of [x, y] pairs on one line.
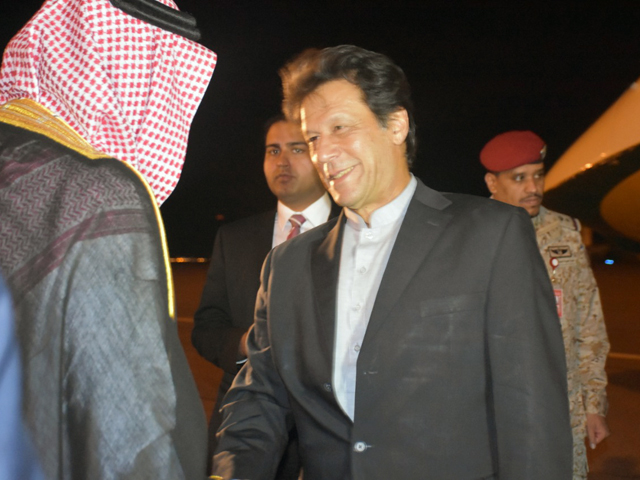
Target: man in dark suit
[[229, 296], [413, 337]]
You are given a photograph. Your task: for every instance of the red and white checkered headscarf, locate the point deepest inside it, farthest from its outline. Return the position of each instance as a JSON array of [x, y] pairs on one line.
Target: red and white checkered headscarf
[[128, 88]]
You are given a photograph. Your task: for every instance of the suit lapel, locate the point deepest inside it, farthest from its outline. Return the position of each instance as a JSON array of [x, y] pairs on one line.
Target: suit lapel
[[264, 231], [423, 224], [325, 266], [335, 210], [255, 247]]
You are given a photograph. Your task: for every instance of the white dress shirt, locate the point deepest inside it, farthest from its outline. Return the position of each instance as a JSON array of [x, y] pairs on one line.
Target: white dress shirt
[[316, 214], [365, 252]]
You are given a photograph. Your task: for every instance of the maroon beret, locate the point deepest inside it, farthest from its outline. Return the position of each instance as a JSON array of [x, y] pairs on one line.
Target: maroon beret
[[512, 149]]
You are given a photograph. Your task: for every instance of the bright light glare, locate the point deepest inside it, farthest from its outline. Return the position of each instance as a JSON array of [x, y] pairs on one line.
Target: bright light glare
[[608, 261]]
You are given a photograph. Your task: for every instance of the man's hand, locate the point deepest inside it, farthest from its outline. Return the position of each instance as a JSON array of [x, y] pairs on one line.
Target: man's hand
[[242, 348], [597, 429]]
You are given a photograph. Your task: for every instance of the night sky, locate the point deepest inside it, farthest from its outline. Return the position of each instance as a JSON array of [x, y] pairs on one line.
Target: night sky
[[477, 68]]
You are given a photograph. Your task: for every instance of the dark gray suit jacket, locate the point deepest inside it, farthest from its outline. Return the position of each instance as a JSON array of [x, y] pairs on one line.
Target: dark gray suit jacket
[[228, 303], [228, 299], [461, 374]]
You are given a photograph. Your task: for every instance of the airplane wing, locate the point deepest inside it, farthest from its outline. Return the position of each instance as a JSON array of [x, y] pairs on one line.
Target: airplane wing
[[598, 178]]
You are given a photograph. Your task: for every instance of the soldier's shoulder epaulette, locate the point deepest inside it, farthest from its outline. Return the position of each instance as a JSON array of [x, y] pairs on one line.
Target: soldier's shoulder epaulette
[[567, 222]]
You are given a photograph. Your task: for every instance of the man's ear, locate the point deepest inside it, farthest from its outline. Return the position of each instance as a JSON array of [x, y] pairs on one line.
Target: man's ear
[[398, 126], [491, 180]]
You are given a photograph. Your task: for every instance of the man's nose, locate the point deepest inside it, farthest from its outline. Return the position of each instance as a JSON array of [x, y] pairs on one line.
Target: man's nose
[[325, 150], [531, 185], [283, 160]]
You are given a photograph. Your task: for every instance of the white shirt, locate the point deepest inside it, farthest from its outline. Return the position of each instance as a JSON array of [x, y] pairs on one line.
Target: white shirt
[[365, 252], [316, 214]]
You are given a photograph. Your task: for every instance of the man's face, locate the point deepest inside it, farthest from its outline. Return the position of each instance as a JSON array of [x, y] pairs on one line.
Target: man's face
[[522, 186], [361, 163], [288, 169]]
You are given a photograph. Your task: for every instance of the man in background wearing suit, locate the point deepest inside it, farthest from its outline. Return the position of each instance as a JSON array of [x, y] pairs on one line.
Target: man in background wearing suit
[[413, 337], [228, 300]]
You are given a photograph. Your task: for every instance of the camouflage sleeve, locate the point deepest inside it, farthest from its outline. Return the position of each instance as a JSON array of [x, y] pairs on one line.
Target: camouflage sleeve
[[593, 343]]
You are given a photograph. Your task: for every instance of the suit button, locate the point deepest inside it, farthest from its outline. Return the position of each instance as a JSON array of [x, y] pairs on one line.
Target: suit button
[[327, 387], [359, 447]]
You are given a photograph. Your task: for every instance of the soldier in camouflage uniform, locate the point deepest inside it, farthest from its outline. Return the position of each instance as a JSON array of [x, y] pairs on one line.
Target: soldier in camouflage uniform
[[516, 176]]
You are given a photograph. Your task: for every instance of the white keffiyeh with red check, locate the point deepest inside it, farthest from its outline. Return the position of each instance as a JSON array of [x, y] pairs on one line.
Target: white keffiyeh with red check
[[128, 88]]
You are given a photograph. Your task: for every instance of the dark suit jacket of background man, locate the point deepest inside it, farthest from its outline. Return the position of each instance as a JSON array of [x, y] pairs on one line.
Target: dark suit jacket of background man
[[461, 373], [229, 296], [228, 299]]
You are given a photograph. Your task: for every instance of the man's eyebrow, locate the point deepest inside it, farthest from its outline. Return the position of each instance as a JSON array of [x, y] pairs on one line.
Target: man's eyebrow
[[275, 145], [293, 144]]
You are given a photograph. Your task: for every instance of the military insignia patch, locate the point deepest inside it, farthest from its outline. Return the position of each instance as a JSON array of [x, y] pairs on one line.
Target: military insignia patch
[[558, 294], [559, 251]]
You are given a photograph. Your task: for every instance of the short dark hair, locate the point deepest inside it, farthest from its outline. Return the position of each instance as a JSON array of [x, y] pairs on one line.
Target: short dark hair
[[383, 84], [270, 123]]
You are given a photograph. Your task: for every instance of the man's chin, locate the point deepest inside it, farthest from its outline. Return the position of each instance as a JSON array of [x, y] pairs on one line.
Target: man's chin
[[533, 211], [342, 200], [337, 199]]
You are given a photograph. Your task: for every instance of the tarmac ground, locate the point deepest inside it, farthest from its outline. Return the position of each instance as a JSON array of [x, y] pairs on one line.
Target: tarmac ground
[[616, 458]]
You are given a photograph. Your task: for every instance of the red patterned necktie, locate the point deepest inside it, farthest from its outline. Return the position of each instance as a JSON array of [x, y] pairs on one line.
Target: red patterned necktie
[[296, 222]]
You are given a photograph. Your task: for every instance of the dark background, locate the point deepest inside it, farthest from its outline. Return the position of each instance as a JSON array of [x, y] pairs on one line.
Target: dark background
[[477, 68]]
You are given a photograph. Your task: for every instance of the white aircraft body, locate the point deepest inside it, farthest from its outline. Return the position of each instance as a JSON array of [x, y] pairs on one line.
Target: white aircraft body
[[598, 178]]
